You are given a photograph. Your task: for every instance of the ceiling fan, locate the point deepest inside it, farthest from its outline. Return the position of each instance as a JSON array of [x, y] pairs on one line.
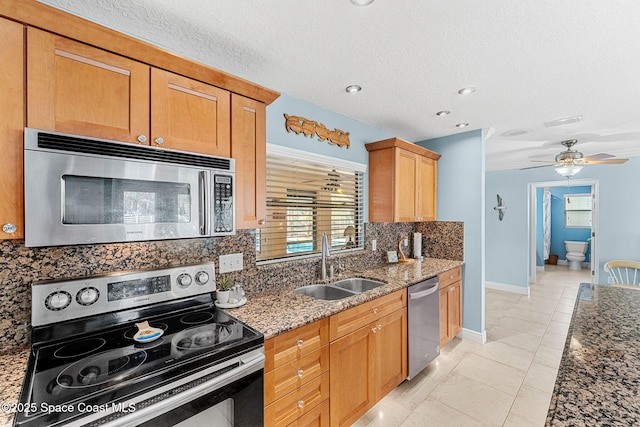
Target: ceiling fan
[[571, 161]]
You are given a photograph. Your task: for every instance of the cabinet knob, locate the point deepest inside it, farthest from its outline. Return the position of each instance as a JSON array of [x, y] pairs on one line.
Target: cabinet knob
[[261, 222], [9, 228], [379, 326], [375, 310], [301, 404], [374, 329], [452, 289], [300, 372], [142, 138], [299, 343], [158, 140]]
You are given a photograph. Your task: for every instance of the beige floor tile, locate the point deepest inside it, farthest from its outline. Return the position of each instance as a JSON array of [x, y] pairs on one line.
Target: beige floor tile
[[433, 413], [521, 325], [531, 316], [529, 409], [513, 338], [554, 340], [541, 377], [512, 356], [558, 328], [387, 412], [489, 372], [548, 356], [561, 317], [474, 399]]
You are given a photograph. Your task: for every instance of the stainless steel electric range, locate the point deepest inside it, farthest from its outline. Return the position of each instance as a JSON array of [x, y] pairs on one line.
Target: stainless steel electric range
[[91, 365]]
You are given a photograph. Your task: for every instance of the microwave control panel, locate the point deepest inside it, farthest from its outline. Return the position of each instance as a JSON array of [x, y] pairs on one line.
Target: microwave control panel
[[222, 204]]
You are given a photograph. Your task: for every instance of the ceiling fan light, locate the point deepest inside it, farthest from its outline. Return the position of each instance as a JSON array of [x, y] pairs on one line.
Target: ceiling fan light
[[568, 170]]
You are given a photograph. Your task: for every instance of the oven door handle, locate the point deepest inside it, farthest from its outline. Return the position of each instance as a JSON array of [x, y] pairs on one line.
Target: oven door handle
[[248, 364]]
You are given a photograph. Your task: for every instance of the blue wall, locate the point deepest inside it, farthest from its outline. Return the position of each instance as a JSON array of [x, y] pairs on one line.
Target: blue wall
[[461, 175], [559, 233], [540, 227], [508, 242]]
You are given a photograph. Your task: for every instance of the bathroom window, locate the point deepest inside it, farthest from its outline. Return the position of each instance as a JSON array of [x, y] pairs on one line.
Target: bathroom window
[[307, 195], [577, 210]]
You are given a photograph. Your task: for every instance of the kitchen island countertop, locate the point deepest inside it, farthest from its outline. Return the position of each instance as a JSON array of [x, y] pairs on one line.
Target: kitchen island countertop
[[598, 381], [278, 311], [12, 368]]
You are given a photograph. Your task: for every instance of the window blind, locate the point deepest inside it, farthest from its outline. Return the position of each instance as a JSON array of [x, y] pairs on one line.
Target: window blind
[[577, 210], [304, 200]]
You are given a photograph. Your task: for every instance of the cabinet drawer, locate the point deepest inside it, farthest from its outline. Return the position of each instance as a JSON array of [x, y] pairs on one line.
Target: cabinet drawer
[[317, 417], [285, 379], [292, 345], [294, 405], [354, 318], [449, 277]]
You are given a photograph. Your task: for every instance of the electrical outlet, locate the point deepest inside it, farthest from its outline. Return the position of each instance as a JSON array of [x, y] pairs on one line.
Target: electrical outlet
[[373, 245], [231, 262], [406, 242]]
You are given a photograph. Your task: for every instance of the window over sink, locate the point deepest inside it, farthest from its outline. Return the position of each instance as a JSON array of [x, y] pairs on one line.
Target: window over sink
[[307, 195]]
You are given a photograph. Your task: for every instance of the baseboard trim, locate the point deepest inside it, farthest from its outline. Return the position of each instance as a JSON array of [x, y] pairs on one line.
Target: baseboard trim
[[473, 336], [563, 262], [507, 288], [539, 267]]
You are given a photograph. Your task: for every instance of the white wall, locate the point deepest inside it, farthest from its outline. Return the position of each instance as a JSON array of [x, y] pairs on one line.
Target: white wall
[[508, 242]]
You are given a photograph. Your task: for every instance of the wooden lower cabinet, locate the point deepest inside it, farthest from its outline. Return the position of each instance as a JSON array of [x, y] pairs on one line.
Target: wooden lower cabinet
[[366, 364], [316, 417], [290, 408], [450, 283]]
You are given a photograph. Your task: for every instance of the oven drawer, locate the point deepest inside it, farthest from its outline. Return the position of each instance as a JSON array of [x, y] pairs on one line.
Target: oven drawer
[[291, 345], [287, 378], [350, 320], [294, 405]]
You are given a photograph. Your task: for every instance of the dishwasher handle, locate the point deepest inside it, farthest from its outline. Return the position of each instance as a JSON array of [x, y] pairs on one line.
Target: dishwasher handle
[[422, 294]]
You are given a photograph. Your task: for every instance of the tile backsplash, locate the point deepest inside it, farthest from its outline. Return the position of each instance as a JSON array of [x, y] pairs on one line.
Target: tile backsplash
[[20, 266]]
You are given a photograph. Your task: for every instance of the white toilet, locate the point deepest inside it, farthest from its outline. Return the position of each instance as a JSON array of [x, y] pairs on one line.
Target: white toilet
[[575, 253]]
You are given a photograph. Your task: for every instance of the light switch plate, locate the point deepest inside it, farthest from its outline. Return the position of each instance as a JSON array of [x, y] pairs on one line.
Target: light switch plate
[[231, 262]]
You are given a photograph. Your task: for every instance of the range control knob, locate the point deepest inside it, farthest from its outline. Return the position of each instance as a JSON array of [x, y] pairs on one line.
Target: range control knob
[[202, 277], [184, 280], [58, 300], [87, 296]]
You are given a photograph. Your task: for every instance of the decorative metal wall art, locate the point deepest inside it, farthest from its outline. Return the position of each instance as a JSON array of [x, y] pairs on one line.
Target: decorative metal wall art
[[500, 208], [310, 128]]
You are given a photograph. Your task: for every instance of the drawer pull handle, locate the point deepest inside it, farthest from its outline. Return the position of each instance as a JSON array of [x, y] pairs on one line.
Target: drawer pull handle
[[300, 404], [375, 310], [300, 372], [452, 289], [374, 329], [299, 343], [379, 326]]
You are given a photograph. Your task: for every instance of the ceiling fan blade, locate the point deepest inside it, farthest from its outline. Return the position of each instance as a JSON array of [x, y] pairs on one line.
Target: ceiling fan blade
[[606, 162], [599, 156], [541, 166], [541, 161]]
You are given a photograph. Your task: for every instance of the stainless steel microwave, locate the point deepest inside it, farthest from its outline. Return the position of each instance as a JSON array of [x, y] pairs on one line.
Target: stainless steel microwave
[[80, 190]]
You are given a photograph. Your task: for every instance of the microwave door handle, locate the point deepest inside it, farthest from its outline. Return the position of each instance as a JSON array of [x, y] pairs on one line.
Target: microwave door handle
[[203, 205]]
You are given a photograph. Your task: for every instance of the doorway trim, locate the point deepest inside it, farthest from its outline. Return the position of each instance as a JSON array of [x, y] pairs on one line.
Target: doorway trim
[[532, 188]]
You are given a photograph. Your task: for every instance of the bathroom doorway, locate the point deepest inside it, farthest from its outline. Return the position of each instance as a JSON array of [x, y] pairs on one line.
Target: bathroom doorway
[[560, 193]]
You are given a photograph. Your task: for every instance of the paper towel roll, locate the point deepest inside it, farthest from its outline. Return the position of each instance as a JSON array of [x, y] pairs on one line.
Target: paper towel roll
[[417, 245]]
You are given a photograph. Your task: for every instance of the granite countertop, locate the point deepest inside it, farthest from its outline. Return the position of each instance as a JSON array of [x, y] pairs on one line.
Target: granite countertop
[[598, 380], [278, 311], [12, 367]]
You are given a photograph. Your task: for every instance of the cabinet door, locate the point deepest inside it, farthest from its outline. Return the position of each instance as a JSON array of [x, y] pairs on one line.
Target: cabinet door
[[79, 89], [249, 149], [11, 128], [189, 115], [455, 309], [391, 351], [426, 189], [352, 373], [407, 164], [317, 417]]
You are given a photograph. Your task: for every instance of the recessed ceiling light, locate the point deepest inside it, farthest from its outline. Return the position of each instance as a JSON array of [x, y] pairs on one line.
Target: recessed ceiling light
[[462, 125], [565, 121], [353, 89], [467, 90], [516, 132], [362, 2], [443, 113]]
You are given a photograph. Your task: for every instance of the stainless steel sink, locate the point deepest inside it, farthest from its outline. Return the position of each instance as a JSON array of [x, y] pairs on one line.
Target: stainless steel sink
[[325, 292], [358, 284]]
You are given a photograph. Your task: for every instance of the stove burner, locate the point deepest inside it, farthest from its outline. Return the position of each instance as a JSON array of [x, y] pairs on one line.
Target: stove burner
[[195, 318], [102, 368], [57, 386], [131, 332], [206, 336], [80, 348]]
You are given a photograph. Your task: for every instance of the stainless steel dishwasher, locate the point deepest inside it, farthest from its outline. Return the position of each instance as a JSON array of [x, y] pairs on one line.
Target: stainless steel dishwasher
[[424, 325]]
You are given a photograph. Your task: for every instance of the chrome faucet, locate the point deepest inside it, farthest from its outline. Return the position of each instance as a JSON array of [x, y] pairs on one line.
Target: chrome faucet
[[325, 255]]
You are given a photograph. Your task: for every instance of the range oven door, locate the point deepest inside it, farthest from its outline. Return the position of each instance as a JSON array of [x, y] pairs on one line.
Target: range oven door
[[234, 397]]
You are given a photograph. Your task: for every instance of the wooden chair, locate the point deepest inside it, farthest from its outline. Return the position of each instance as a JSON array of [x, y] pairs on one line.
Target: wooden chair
[[623, 272]]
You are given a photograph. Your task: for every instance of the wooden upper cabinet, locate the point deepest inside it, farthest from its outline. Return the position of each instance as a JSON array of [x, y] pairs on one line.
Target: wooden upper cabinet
[[402, 182], [11, 129], [249, 149], [189, 115], [79, 89]]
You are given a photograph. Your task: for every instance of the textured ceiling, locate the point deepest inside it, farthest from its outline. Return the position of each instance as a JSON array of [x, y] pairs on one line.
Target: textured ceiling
[[531, 61]]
